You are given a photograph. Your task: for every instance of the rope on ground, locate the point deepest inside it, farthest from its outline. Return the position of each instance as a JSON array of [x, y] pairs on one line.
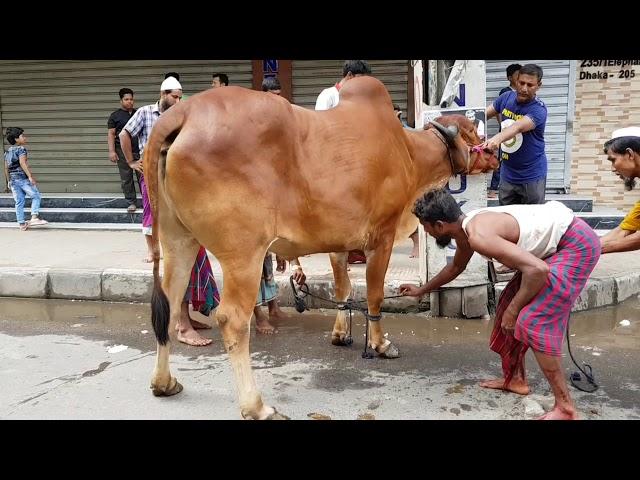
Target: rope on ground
[[350, 304]]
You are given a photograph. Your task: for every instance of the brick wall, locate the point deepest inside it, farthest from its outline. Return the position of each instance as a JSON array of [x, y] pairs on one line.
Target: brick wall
[[601, 106]]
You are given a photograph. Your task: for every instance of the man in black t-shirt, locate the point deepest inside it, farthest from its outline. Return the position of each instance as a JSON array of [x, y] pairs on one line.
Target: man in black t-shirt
[[117, 120]]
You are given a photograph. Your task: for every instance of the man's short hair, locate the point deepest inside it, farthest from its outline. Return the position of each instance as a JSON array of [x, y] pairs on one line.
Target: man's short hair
[[513, 68], [437, 205], [619, 145], [223, 78], [12, 133], [125, 91], [172, 74], [271, 83], [356, 67], [532, 69]]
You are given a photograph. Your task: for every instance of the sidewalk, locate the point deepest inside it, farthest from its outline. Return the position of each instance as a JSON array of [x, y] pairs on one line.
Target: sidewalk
[[107, 265]]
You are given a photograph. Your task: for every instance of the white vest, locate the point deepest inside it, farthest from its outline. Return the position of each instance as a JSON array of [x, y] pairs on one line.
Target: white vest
[[541, 226]]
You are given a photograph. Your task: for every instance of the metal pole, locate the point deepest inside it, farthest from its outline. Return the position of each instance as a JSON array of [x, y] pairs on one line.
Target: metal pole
[[433, 83]]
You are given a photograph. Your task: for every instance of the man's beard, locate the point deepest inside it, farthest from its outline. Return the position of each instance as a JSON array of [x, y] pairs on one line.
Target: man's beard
[[443, 241], [165, 105], [629, 183]]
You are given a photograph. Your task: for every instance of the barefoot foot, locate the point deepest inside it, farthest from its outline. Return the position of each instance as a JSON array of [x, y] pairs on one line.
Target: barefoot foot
[[193, 338], [516, 385], [560, 414]]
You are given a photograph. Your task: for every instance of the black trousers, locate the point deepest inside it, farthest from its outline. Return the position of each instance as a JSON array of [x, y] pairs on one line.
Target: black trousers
[[525, 194], [126, 177]]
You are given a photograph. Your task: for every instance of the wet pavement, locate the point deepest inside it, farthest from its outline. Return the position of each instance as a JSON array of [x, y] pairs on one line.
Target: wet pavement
[[93, 360]]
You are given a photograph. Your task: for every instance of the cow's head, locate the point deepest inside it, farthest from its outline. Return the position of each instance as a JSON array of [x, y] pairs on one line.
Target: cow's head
[[479, 161]]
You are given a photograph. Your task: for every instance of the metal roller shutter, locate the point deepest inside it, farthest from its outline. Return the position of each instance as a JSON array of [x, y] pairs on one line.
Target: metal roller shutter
[[556, 92], [310, 77], [64, 106]]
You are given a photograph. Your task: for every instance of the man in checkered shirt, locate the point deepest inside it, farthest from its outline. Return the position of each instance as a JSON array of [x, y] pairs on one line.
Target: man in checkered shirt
[[202, 291]]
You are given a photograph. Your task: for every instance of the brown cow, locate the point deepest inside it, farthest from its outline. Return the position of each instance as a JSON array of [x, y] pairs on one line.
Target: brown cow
[[243, 164]]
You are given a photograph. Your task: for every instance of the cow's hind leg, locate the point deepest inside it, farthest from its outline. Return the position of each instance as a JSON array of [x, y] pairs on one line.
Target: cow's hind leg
[[241, 282], [377, 263], [342, 292], [180, 250]]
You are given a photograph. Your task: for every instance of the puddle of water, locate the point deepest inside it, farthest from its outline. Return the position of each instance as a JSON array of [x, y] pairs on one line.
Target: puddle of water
[[601, 329]]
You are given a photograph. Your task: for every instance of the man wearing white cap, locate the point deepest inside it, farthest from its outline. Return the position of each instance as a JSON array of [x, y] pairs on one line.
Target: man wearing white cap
[[139, 126], [205, 297], [623, 151]]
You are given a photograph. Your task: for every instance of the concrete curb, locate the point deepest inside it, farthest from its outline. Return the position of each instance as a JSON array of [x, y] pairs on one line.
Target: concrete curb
[[124, 285]]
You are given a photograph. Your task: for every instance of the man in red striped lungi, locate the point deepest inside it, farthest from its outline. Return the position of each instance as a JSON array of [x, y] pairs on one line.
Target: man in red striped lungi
[[553, 252]]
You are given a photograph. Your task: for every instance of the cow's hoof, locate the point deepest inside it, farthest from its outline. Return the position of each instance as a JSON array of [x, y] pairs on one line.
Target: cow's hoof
[[391, 351], [167, 392], [342, 340], [277, 416]]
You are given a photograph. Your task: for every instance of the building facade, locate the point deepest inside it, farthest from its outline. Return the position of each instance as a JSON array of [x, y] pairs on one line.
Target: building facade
[[63, 105]]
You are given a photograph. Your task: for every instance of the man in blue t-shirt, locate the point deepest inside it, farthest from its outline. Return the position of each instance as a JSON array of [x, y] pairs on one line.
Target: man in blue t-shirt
[[523, 169]]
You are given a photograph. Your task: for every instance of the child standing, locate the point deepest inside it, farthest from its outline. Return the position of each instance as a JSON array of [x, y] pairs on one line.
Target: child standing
[[20, 178]]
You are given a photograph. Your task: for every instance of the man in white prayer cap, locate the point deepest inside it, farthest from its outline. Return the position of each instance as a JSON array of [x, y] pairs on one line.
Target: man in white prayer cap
[[203, 299], [623, 151]]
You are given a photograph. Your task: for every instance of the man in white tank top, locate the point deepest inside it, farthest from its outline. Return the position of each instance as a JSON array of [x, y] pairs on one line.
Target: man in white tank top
[[553, 252]]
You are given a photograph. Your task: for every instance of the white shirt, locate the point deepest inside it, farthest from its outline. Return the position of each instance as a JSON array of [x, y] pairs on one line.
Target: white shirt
[[541, 226], [328, 98]]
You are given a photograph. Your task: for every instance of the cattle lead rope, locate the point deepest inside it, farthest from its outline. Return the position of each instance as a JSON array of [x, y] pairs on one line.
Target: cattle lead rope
[[350, 305]]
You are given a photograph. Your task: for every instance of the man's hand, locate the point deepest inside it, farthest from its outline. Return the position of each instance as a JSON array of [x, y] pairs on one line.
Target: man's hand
[[298, 276], [490, 144], [509, 318], [136, 166], [281, 264], [409, 290], [33, 181], [113, 157]]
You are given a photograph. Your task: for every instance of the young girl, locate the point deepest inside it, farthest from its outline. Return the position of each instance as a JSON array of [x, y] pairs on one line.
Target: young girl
[[20, 178]]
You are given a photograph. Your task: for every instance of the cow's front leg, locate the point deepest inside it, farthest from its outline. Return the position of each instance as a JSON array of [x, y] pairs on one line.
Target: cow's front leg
[[377, 264], [340, 336]]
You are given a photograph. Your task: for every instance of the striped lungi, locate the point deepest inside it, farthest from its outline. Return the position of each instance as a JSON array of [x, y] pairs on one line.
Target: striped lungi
[[202, 291], [147, 216], [542, 323]]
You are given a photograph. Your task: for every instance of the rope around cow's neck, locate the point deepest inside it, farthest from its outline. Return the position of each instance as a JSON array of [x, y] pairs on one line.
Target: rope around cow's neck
[[448, 148]]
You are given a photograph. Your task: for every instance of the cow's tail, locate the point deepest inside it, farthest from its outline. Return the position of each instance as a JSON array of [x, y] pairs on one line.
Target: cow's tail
[[154, 166]]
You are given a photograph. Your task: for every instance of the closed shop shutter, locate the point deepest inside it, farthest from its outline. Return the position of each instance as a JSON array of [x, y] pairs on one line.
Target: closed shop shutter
[[64, 106]]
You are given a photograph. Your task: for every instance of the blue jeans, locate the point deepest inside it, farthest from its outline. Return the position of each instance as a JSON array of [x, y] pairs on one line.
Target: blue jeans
[[21, 188]]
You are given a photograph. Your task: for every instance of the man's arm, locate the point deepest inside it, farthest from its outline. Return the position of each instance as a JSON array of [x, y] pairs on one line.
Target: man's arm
[[446, 275], [523, 125], [125, 144], [619, 240], [111, 141], [491, 112]]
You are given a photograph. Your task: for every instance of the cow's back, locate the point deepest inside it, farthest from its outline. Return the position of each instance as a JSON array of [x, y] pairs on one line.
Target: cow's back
[[316, 174]]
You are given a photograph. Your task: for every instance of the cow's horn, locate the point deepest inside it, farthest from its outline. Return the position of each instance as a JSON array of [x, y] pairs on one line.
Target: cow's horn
[[448, 133]]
